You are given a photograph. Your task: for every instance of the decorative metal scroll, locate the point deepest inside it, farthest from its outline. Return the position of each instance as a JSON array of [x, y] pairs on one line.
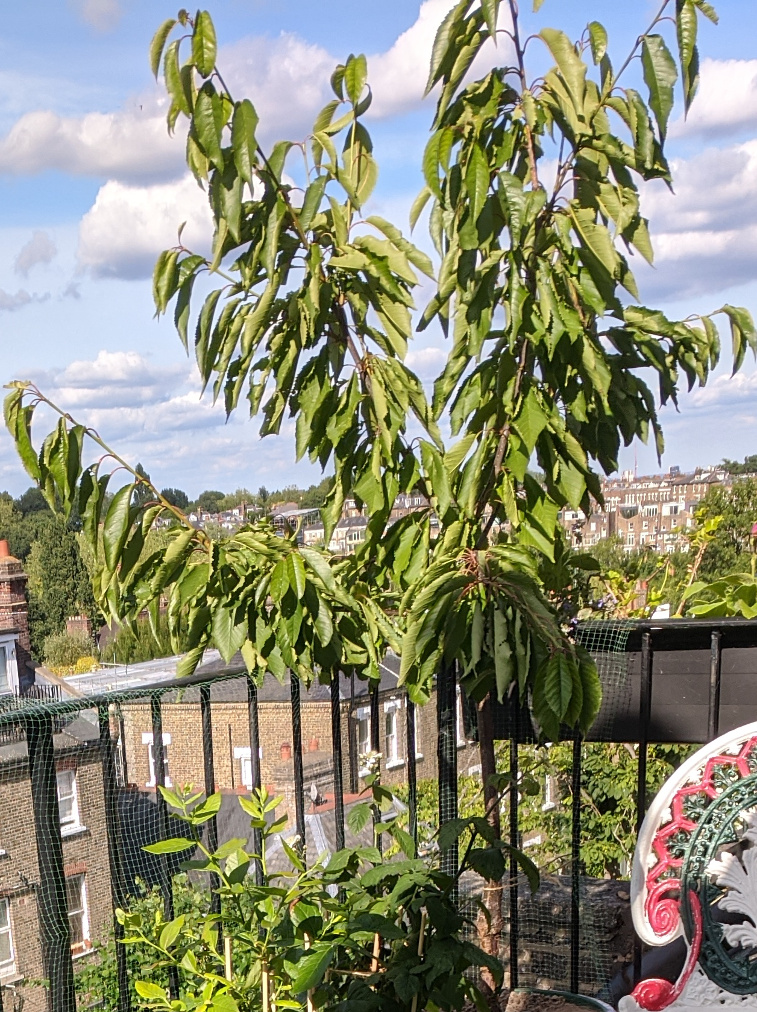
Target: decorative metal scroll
[[695, 877]]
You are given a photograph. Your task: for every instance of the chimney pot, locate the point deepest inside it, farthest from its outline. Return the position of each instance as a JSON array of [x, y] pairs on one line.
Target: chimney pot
[[4, 549]]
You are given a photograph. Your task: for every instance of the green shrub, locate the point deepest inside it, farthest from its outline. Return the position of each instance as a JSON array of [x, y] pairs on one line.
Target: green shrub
[[63, 650]]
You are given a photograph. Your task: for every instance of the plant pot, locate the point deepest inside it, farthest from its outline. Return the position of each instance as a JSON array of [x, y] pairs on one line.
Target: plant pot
[[286, 752], [534, 999], [314, 744]]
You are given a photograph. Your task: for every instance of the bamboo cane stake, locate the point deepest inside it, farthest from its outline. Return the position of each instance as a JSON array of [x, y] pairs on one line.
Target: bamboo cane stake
[[228, 970], [421, 943]]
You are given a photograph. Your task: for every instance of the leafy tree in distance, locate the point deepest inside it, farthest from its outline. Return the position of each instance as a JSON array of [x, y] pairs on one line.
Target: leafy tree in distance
[[749, 466], [31, 501], [550, 357], [142, 491], [209, 500], [176, 497], [729, 548]]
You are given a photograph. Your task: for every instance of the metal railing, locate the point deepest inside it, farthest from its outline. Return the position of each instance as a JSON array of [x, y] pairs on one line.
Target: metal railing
[[38, 719]]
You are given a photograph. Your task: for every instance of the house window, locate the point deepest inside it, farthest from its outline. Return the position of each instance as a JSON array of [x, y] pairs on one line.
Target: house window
[[391, 727], [78, 920], [8, 674], [147, 740], [417, 726], [244, 755], [460, 720], [68, 801], [363, 737], [551, 793], [6, 939]]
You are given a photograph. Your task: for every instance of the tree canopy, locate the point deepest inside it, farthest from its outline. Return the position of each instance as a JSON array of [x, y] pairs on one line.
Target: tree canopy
[[552, 357]]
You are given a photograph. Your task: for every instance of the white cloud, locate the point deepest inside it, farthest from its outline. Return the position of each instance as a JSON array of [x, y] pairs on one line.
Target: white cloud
[[705, 234], [131, 145], [40, 249], [154, 414], [726, 101], [17, 300], [398, 76], [100, 14], [113, 380], [126, 228]]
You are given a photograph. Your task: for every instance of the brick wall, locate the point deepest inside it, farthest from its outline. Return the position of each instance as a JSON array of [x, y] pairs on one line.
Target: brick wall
[[84, 852], [182, 728]]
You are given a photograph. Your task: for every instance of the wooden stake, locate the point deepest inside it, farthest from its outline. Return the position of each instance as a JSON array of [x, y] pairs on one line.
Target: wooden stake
[[310, 1006], [228, 970], [264, 985], [376, 952], [421, 943]]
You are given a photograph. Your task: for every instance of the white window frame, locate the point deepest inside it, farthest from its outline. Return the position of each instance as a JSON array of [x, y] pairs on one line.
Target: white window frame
[[83, 947], [147, 740], [416, 724], [462, 741], [551, 793], [244, 754], [71, 824], [7, 966], [393, 708], [363, 713], [9, 682]]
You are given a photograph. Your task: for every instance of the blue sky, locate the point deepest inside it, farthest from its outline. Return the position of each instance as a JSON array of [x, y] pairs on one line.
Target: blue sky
[[91, 188]]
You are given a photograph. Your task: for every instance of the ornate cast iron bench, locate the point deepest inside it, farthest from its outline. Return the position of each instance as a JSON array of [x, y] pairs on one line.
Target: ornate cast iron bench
[[695, 879]]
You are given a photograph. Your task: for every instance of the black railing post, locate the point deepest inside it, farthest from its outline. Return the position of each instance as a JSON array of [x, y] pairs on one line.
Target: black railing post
[[716, 657], [352, 739], [252, 719], [51, 896], [575, 867], [166, 881], [446, 705], [299, 773], [514, 845], [115, 849], [336, 750], [645, 711], [210, 786], [375, 748], [412, 781]]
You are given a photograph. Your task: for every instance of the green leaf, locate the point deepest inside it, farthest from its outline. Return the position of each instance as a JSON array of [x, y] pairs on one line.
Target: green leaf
[[597, 40], [450, 832], [311, 969], [558, 683], [569, 63], [355, 75], [116, 526], [206, 125], [244, 123], [359, 817], [172, 75], [204, 44], [151, 991], [686, 32], [660, 76], [171, 932], [477, 180], [418, 204], [158, 43], [296, 574], [228, 635], [175, 845]]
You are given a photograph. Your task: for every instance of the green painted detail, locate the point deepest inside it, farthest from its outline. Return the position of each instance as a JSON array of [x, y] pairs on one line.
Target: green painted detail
[[732, 968]]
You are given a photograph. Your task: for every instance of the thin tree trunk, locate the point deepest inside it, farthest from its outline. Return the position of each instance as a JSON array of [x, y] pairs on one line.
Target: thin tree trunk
[[489, 930]]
